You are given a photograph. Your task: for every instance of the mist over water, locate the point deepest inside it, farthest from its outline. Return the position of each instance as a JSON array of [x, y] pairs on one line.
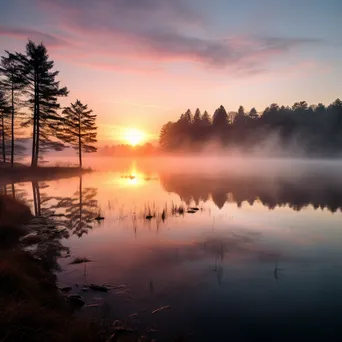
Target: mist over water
[[262, 253]]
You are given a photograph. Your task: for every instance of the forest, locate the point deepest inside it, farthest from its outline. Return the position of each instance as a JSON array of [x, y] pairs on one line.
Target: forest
[[30, 109], [313, 130]]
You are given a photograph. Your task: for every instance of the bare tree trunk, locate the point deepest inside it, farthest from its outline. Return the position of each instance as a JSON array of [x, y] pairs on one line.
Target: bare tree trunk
[[34, 199], [13, 190], [33, 157], [3, 139], [37, 126], [79, 140], [12, 128], [37, 139], [38, 200], [81, 201]]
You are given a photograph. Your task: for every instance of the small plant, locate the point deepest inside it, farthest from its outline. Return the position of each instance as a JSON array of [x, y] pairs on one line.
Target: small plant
[[77, 261], [99, 216], [177, 210], [163, 215]]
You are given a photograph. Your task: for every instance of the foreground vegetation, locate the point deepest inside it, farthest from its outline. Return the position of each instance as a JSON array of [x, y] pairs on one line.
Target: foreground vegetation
[[31, 306]]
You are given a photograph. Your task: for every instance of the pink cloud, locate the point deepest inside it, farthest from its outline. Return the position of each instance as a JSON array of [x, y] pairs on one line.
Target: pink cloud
[[154, 31], [24, 34]]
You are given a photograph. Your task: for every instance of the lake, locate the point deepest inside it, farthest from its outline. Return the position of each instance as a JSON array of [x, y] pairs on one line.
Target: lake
[[240, 249]]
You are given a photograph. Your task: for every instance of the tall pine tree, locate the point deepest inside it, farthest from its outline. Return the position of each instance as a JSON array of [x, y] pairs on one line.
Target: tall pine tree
[[44, 92], [13, 83], [79, 129]]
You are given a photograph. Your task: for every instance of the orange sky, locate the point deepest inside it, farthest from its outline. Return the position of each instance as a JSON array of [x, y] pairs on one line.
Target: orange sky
[[139, 64]]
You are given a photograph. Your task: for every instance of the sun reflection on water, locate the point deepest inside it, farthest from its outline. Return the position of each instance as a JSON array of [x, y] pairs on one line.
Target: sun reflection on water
[[134, 177]]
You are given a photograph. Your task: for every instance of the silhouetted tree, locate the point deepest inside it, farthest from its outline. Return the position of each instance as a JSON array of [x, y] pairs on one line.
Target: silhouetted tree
[[253, 115], [240, 118], [300, 106], [79, 128], [197, 117], [220, 118], [205, 119], [166, 136], [187, 117], [12, 83], [320, 109], [43, 92]]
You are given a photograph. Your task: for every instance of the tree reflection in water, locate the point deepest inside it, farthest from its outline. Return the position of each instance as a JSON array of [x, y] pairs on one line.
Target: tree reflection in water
[[296, 192], [80, 210]]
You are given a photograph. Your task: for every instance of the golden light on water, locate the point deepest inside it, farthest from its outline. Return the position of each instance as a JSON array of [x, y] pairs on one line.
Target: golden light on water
[[133, 177], [133, 136]]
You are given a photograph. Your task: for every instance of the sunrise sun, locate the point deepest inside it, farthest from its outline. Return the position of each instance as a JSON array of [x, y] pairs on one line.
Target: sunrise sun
[[134, 136]]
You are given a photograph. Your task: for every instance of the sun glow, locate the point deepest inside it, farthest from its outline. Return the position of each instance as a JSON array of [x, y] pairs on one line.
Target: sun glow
[[134, 136]]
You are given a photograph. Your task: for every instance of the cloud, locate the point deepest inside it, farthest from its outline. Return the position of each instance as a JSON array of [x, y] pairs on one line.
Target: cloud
[[160, 31], [21, 33]]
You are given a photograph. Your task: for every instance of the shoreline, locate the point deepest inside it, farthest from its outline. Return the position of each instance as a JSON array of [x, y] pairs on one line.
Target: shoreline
[[33, 306], [44, 173]]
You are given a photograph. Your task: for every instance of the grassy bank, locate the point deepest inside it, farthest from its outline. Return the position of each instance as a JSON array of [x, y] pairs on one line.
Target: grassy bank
[[27, 174]]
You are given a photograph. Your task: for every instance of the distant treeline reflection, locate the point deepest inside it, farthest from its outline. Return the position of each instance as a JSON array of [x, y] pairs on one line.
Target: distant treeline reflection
[[296, 193]]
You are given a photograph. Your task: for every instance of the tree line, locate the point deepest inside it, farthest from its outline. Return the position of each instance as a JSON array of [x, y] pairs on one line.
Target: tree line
[[125, 150], [315, 129], [29, 102]]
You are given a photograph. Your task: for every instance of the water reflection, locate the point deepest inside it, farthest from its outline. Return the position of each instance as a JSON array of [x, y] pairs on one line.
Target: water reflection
[[13, 190], [296, 192], [221, 271], [80, 210], [76, 212]]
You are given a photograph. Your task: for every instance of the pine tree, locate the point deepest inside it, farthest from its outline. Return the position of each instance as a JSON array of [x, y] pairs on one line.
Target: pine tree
[[79, 129], [240, 118], [220, 117], [205, 119], [253, 115], [197, 117], [13, 84], [44, 92], [187, 117], [166, 136]]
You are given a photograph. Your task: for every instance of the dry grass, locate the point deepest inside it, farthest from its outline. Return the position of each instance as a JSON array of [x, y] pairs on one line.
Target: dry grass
[[13, 214], [31, 308]]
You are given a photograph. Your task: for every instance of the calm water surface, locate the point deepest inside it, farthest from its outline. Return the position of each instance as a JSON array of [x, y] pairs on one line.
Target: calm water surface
[[261, 258]]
